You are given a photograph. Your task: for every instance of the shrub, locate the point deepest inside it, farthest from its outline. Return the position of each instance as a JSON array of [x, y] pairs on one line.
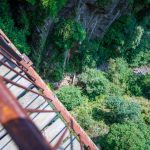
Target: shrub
[[84, 117], [134, 85], [141, 55], [145, 105], [88, 54], [70, 96], [121, 110], [140, 85], [53, 6], [119, 36], [116, 90], [67, 33], [94, 82], [119, 73], [133, 136], [17, 36], [145, 85]]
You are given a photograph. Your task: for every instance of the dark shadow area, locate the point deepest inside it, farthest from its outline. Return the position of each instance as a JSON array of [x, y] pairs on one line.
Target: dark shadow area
[[25, 134]]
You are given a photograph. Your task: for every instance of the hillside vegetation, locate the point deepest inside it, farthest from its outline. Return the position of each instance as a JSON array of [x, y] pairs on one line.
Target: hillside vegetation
[[100, 47]]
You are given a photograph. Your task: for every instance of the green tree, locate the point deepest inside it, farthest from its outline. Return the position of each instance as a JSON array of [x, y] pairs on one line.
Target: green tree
[[94, 82], [52, 7], [67, 33], [119, 73], [83, 115], [17, 36], [119, 36], [140, 85], [145, 86], [121, 110], [88, 54], [129, 136], [70, 96], [141, 55], [134, 85]]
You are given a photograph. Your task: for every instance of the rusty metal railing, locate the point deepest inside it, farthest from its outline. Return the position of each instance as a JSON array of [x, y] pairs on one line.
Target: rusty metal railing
[[25, 65], [18, 124]]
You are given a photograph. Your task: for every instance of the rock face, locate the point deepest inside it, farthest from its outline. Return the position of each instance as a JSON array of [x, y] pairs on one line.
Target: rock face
[[67, 80], [97, 19], [143, 70]]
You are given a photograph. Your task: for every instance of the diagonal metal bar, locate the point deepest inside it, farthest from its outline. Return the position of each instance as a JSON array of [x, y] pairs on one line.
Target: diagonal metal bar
[[60, 139], [9, 59], [13, 54], [42, 111], [23, 87], [22, 65], [19, 74], [81, 144], [18, 124], [58, 105]]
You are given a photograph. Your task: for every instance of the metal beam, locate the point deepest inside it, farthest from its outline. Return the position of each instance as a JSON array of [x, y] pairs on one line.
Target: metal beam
[[14, 119], [84, 138]]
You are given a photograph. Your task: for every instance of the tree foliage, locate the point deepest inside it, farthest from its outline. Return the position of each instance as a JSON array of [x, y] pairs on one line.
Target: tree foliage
[[119, 73], [94, 82], [69, 49], [145, 86], [70, 96], [88, 54], [133, 136], [52, 7], [68, 32], [18, 36], [121, 110]]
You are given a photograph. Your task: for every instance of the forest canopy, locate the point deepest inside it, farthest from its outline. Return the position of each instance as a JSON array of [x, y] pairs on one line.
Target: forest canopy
[[95, 56]]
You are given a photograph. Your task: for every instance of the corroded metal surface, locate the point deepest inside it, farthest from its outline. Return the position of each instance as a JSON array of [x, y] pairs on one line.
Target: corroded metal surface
[[28, 82], [18, 124]]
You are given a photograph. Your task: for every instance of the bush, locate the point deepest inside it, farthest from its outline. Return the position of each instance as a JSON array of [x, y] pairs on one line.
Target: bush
[[17, 36], [130, 136], [145, 85], [119, 73], [134, 86], [88, 54], [141, 55], [84, 117], [70, 96], [53, 6], [145, 105], [121, 110], [67, 33], [116, 90], [94, 82], [140, 85], [118, 37]]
